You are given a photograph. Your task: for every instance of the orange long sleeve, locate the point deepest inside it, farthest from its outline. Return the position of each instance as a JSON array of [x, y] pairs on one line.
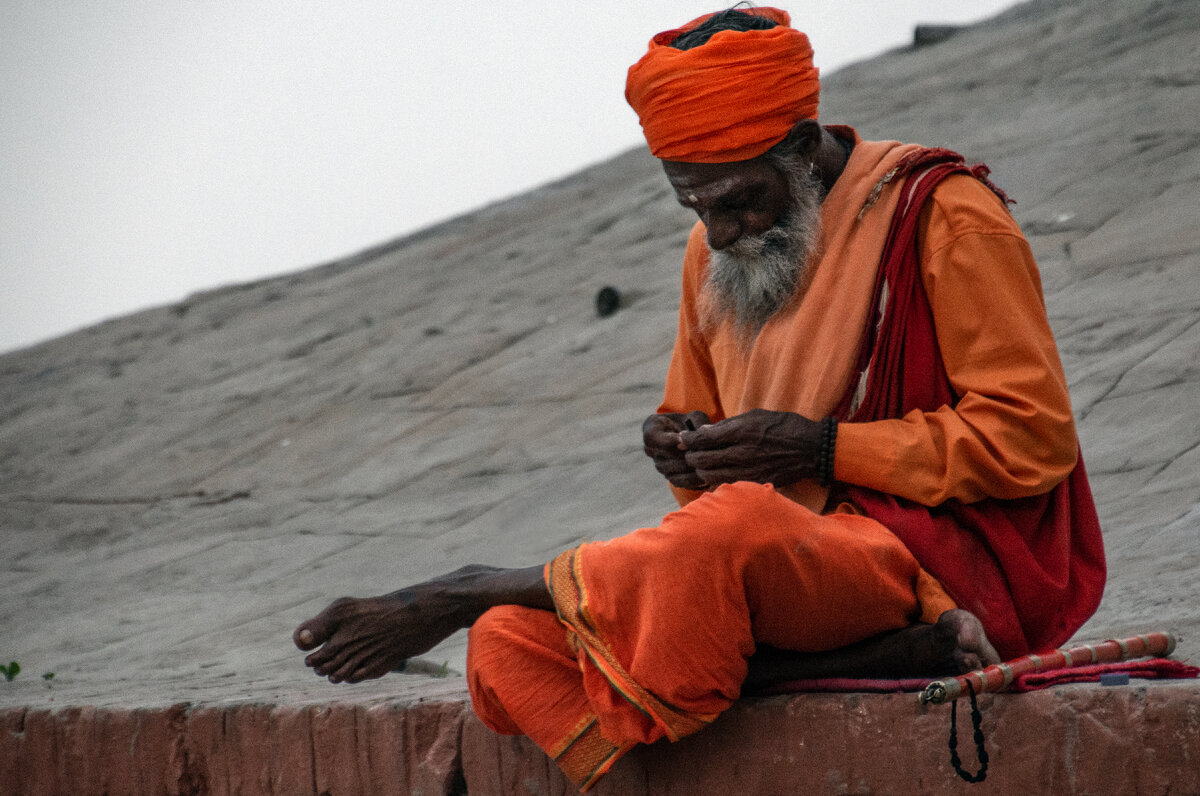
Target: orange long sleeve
[[1012, 432]]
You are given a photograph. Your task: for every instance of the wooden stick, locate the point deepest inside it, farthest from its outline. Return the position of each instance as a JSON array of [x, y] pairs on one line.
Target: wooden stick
[[1000, 676]]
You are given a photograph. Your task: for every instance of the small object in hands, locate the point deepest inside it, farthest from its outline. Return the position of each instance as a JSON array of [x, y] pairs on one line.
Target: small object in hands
[[688, 424], [1114, 678], [608, 301]]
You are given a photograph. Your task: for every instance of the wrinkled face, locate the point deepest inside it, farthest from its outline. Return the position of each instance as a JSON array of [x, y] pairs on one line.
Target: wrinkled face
[[762, 220], [732, 199]]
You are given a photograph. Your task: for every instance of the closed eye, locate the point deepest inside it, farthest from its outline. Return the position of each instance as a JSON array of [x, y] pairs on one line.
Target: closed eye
[[745, 200]]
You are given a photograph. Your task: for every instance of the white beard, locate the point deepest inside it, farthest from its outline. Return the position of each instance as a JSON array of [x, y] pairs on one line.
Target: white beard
[[757, 276]]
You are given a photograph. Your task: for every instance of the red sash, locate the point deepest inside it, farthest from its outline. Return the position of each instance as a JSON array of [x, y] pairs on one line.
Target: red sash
[[1032, 569]]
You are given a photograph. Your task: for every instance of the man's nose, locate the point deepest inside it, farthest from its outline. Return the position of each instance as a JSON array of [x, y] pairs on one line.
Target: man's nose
[[722, 229]]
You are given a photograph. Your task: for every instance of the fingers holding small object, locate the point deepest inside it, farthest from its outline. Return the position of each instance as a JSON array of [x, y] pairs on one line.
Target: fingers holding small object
[[662, 423], [674, 422], [710, 436], [660, 436], [735, 457], [672, 466], [737, 463], [664, 446], [678, 472]]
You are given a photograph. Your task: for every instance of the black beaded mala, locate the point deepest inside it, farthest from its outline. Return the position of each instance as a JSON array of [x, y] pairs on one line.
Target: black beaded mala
[[977, 723]]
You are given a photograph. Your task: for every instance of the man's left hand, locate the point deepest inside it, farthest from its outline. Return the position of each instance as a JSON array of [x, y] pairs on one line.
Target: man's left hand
[[761, 446]]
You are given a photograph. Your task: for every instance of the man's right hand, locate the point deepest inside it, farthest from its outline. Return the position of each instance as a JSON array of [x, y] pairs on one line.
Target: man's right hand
[[660, 436]]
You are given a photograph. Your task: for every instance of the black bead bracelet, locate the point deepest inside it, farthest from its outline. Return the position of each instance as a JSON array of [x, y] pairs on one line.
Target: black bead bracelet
[[825, 456]]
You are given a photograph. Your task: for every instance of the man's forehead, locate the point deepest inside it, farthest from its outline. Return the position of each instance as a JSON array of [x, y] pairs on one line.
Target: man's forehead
[[715, 179]]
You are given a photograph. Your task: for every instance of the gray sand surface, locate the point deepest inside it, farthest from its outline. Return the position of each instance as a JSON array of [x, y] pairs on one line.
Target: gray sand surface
[[180, 487]]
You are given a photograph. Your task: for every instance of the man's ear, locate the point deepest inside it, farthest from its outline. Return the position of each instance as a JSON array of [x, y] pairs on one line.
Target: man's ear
[[805, 138]]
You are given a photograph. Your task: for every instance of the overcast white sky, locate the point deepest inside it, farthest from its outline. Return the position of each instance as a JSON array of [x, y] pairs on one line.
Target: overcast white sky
[[152, 148]]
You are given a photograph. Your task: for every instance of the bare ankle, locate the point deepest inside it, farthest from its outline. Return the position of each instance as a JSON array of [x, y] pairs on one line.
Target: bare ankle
[[473, 589]]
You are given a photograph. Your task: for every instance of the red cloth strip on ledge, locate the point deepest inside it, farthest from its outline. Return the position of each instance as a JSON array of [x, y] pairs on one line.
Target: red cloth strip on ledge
[[1152, 669]]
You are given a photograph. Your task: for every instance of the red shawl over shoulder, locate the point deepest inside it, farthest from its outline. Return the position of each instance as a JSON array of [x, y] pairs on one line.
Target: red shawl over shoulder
[[1032, 569]]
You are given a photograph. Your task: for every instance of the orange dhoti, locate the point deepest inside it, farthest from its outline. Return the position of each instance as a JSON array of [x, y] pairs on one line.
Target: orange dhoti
[[654, 629]]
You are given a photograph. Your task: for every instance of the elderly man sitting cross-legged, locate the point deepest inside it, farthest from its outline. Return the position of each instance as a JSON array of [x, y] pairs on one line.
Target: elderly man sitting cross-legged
[[865, 422]]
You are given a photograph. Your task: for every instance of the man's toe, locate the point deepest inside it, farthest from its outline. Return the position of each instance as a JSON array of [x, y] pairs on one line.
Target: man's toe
[[311, 634], [304, 638], [316, 631]]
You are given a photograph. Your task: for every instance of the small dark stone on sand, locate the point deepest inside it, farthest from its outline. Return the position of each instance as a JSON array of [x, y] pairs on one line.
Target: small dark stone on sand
[[608, 301], [925, 35]]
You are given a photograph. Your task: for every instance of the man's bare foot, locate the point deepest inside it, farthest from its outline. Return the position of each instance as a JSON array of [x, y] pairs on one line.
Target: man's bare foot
[[960, 633], [954, 645], [358, 639]]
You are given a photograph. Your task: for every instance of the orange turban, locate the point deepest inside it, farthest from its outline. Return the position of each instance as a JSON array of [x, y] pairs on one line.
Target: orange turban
[[732, 98]]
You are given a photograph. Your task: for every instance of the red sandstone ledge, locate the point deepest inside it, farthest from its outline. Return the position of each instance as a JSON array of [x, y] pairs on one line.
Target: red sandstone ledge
[[1072, 740]]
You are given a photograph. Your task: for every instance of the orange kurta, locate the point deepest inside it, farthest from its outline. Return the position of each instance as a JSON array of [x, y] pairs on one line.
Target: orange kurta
[[1012, 433]]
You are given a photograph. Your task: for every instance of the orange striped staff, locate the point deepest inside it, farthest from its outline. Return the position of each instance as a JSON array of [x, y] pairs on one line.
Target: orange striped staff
[[1001, 675]]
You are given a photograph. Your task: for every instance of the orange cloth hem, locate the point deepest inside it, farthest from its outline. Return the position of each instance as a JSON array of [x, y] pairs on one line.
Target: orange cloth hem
[[567, 589]]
